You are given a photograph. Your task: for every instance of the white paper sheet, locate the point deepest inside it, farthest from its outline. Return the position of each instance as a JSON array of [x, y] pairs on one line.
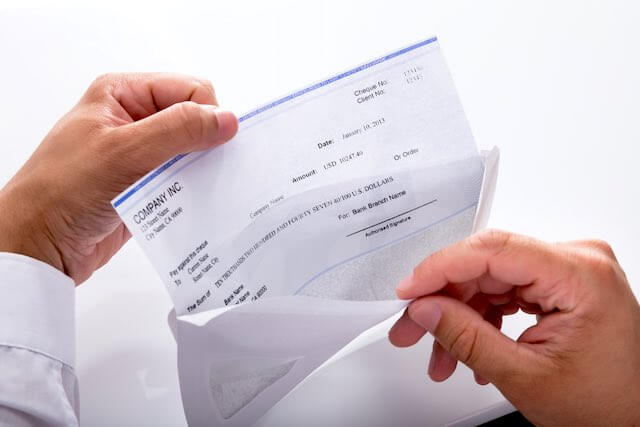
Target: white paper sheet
[[325, 199]]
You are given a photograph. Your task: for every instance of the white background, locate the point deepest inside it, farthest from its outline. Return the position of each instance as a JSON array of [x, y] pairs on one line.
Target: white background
[[555, 84]]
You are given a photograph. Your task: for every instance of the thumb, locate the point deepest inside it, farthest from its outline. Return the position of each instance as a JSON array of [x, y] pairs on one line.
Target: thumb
[[462, 332], [180, 128]]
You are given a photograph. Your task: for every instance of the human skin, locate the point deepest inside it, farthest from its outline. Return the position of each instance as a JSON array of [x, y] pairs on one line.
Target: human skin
[[57, 207], [578, 365]]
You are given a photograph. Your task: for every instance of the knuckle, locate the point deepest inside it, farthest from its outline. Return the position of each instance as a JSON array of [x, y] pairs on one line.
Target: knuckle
[[464, 344], [105, 79], [191, 119], [424, 269], [595, 256], [492, 240], [420, 272], [602, 247], [187, 109], [432, 258], [102, 84], [207, 85], [602, 266]]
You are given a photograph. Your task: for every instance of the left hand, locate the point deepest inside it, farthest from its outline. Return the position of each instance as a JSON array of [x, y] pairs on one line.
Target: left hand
[[57, 208]]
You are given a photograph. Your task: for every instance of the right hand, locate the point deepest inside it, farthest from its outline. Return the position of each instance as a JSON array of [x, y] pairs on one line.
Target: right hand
[[579, 365]]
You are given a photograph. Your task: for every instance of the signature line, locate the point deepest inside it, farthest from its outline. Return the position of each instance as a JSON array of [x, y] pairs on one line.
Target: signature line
[[393, 217]]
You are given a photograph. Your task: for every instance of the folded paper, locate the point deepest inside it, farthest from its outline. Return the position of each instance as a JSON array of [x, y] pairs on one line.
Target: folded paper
[[282, 246]]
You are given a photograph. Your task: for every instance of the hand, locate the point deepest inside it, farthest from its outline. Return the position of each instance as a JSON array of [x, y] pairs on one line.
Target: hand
[[57, 207], [579, 365]]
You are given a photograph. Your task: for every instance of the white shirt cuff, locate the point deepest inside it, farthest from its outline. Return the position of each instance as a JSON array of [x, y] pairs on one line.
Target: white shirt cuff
[[37, 307]]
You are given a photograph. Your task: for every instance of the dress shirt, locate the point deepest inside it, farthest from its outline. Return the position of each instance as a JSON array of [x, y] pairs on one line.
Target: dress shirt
[[38, 386]]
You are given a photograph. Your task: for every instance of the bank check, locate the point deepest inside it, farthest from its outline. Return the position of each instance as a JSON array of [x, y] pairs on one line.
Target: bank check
[[321, 203]]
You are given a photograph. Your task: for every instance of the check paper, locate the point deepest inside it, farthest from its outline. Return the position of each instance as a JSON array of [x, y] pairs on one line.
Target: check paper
[[283, 245]]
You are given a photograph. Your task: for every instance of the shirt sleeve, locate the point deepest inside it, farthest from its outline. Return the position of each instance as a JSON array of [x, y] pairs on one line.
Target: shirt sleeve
[[38, 386]]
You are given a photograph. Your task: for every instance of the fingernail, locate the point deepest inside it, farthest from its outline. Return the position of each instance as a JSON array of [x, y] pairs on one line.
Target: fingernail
[[426, 314], [227, 123], [432, 364], [405, 284]]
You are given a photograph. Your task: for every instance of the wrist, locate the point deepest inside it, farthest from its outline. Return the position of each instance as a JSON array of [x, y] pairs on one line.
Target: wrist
[[23, 231]]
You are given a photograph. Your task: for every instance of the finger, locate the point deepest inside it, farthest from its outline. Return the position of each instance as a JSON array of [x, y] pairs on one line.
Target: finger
[[501, 299], [530, 308], [142, 94], [181, 128], [470, 339], [480, 379], [405, 332], [509, 308], [480, 303], [109, 246], [594, 246], [548, 329], [494, 316], [508, 258], [485, 284], [442, 364]]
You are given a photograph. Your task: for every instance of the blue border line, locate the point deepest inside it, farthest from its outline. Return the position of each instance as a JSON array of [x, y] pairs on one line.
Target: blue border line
[[336, 78], [145, 181], [274, 104]]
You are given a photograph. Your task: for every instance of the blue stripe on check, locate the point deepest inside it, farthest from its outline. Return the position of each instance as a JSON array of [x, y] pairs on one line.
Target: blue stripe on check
[[274, 104]]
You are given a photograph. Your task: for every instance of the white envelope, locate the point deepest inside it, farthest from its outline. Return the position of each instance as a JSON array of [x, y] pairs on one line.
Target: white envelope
[[234, 365], [325, 199]]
